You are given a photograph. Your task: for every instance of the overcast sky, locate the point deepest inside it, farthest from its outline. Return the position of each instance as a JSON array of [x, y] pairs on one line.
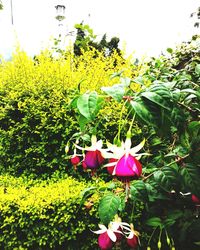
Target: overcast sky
[[146, 26]]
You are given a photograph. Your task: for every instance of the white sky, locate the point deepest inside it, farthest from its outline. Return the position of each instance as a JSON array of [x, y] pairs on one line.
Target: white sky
[[147, 26]]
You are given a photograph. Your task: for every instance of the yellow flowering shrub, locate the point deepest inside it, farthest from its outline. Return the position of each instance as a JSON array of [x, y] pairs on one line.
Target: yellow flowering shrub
[[45, 214], [36, 120]]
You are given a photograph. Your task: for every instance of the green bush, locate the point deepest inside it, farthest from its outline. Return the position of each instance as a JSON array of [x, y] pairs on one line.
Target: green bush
[[45, 214], [36, 120]]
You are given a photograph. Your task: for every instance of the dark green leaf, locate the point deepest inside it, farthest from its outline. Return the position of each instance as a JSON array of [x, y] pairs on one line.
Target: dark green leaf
[[138, 191], [154, 222], [191, 177], [157, 99], [108, 208], [142, 112], [169, 222], [197, 69], [166, 178]]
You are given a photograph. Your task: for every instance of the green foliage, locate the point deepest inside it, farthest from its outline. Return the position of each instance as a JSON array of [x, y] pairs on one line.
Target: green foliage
[[45, 214], [165, 110], [36, 115], [159, 103], [85, 40], [108, 208]]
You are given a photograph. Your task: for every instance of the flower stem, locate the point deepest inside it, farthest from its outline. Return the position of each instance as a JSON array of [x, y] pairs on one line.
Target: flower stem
[[120, 119]]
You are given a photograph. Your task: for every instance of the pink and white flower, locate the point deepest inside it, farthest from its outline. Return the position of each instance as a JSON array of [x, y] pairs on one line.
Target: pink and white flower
[[93, 157], [124, 159]]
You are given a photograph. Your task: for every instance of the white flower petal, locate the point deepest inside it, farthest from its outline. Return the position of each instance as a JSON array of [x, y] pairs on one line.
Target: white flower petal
[[81, 148], [115, 225], [111, 235], [137, 148], [99, 231], [131, 235], [111, 164], [127, 144], [102, 230], [114, 170], [107, 155], [98, 144]]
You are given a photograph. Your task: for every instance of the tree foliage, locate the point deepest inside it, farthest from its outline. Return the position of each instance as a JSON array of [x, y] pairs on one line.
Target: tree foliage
[[85, 39]]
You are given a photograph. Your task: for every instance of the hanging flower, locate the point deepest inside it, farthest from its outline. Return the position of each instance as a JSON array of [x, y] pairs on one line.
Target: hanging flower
[[84, 165], [93, 156], [133, 238], [107, 237], [110, 169], [75, 160], [104, 241], [112, 234], [195, 199], [124, 159]]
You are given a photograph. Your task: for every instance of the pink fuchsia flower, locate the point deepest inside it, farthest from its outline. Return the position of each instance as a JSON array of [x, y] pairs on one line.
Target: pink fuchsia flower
[[133, 238], [110, 169], [75, 160], [195, 199], [112, 234], [93, 159], [93, 156], [124, 159], [104, 241], [107, 237], [84, 165]]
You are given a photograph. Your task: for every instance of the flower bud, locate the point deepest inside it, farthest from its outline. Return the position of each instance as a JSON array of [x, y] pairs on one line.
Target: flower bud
[[159, 244], [67, 148], [148, 248], [128, 135], [195, 199], [168, 241], [75, 160]]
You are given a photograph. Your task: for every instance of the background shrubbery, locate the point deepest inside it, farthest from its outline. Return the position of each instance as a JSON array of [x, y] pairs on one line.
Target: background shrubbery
[[46, 214], [37, 119]]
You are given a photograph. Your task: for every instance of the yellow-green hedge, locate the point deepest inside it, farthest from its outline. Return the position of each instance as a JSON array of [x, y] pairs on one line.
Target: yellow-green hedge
[[45, 215], [35, 118]]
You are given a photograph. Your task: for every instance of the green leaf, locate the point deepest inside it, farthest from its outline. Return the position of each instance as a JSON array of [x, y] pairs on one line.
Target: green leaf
[[82, 122], [174, 214], [191, 178], [166, 178], [170, 50], [197, 69], [86, 138], [87, 192], [169, 222], [83, 105], [139, 80], [116, 74], [142, 112], [117, 91], [154, 222], [108, 207], [126, 81], [194, 128], [138, 191], [88, 104], [157, 99]]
